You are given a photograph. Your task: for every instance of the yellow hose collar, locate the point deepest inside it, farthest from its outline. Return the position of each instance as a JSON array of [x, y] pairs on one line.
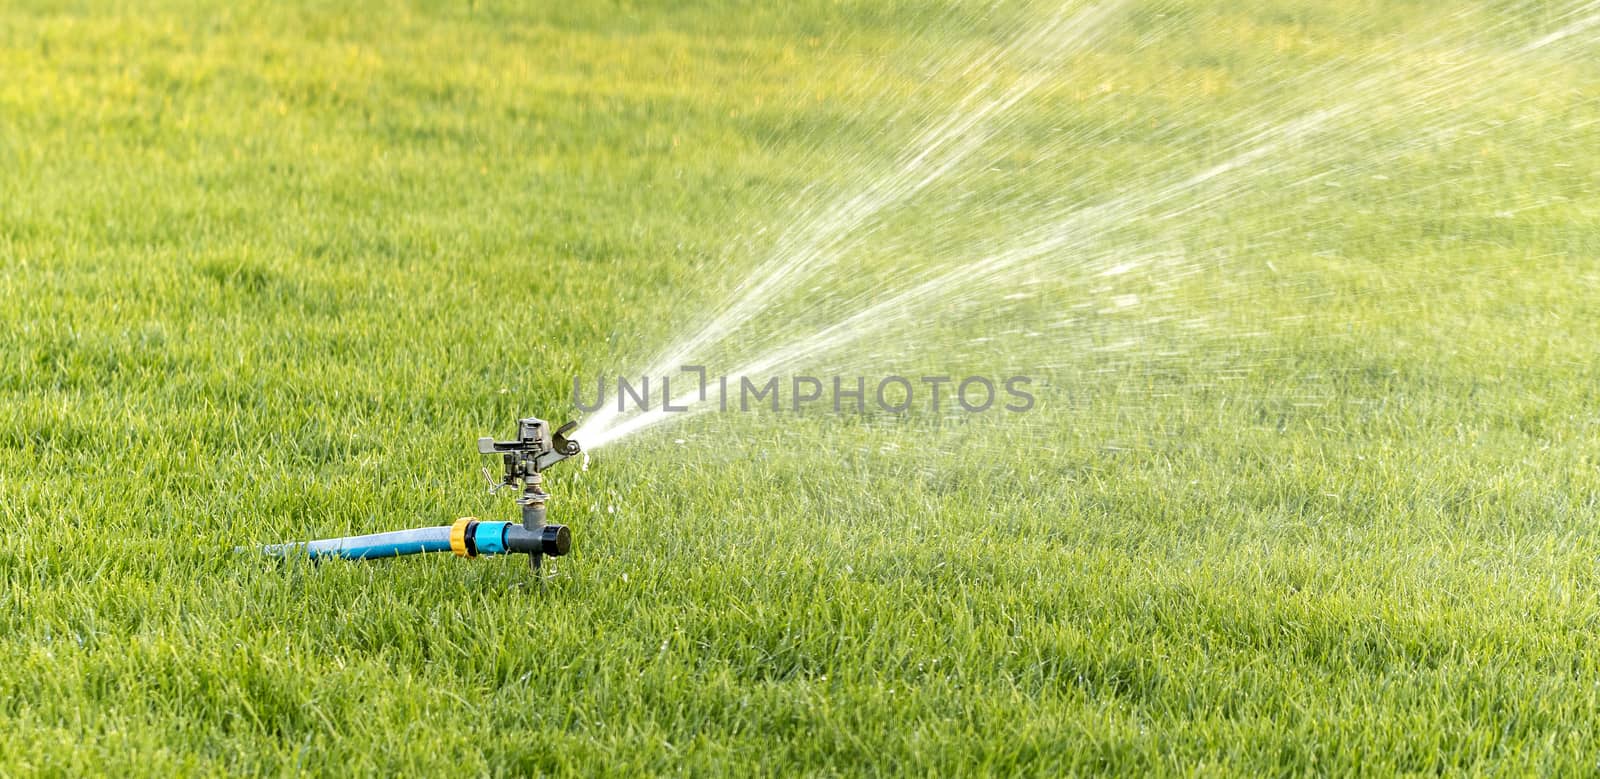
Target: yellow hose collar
[[458, 536]]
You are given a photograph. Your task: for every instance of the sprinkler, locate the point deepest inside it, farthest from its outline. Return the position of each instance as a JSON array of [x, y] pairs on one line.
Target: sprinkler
[[525, 459]]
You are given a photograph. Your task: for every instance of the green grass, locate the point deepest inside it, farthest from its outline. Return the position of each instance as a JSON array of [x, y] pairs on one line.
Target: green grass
[[266, 271]]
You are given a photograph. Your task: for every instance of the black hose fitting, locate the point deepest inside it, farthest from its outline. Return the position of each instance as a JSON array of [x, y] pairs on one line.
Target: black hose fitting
[[552, 540]]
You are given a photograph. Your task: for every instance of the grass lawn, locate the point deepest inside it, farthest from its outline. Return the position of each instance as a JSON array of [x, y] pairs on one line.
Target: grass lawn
[[1316, 493]]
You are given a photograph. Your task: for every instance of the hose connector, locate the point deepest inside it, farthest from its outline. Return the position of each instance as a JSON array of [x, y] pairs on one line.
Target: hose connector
[[472, 538], [461, 541]]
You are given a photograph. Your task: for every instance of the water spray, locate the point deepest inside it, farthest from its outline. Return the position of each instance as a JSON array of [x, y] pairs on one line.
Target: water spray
[[526, 458]]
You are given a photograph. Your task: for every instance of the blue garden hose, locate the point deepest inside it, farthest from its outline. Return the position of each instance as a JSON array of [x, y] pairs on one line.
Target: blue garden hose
[[467, 538]]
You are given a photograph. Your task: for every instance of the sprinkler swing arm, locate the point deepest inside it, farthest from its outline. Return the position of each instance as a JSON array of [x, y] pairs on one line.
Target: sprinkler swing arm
[[526, 458]]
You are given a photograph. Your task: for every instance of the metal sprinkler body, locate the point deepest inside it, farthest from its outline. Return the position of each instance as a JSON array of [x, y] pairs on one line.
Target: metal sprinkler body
[[534, 449]]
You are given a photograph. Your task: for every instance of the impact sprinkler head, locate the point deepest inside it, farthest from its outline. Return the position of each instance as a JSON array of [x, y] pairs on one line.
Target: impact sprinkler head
[[526, 458], [535, 448]]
